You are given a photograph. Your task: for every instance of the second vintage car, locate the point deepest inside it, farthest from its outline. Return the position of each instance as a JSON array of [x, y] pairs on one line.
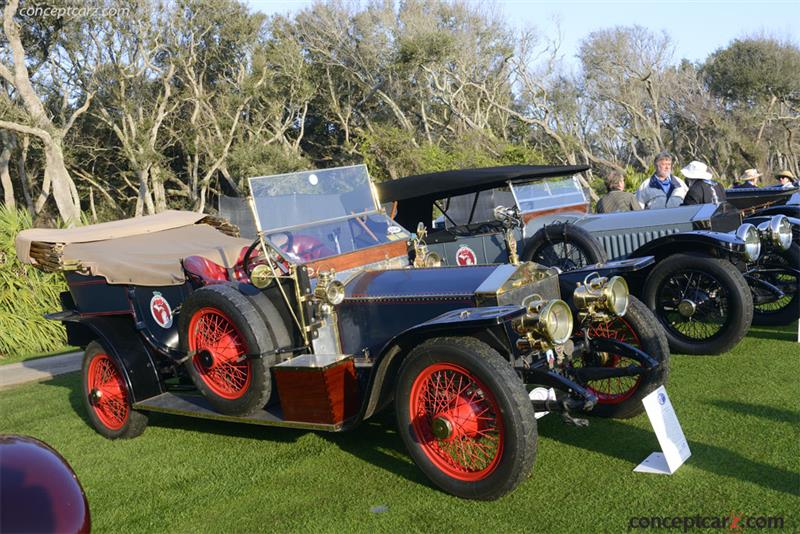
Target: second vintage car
[[713, 272]]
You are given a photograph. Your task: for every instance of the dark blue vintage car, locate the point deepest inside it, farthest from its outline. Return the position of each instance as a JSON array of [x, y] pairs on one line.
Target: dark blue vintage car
[[717, 267], [321, 321]]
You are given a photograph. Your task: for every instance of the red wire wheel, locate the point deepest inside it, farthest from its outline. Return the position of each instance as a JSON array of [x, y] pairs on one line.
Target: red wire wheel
[[621, 397], [108, 395], [219, 353], [617, 389], [458, 422]]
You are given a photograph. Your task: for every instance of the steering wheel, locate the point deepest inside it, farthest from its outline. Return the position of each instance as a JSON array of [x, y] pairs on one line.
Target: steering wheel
[[249, 260]]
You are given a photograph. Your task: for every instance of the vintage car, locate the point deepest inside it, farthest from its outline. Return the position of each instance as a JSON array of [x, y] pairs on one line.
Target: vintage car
[[706, 255], [320, 321]]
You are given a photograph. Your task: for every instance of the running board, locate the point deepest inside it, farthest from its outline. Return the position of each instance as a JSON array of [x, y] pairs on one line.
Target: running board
[[198, 406]]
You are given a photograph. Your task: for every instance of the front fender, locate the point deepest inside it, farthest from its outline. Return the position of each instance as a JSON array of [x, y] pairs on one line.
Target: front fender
[[455, 322], [627, 269], [717, 244]]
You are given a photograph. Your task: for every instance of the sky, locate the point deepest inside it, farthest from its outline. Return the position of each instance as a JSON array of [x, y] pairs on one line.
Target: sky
[[697, 28]]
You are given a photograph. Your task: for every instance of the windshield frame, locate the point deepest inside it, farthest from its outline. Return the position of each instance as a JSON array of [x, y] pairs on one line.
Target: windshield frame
[[513, 185], [374, 209]]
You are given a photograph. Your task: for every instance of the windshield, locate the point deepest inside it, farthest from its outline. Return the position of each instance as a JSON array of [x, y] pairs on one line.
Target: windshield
[[548, 194], [326, 239], [301, 198], [474, 207], [312, 215]]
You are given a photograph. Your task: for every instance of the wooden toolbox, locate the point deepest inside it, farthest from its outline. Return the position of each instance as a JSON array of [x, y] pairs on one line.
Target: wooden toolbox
[[317, 388]]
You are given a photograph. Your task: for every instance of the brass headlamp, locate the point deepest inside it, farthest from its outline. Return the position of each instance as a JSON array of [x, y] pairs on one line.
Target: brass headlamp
[[601, 297], [329, 290], [548, 319]]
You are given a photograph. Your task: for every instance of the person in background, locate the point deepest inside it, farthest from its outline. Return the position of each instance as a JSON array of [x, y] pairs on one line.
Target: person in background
[[617, 199], [662, 190], [748, 180], [704, 189], [786, 179]]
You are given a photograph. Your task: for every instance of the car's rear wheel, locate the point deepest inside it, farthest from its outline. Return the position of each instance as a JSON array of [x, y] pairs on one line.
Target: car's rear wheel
[[786, 309], [621, 397], [230, 349], [465, 418], [565, 246], [106, 396], [703, 303]]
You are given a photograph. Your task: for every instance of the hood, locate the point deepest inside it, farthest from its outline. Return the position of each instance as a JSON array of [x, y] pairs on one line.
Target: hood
[[485, 285]]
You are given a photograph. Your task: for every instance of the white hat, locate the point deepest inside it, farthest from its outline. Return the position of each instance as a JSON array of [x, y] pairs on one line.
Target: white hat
[[696, 171], [749, 174]]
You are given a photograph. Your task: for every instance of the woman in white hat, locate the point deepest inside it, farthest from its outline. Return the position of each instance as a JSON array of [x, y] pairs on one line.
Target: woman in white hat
[[748, 180], [702, 188]]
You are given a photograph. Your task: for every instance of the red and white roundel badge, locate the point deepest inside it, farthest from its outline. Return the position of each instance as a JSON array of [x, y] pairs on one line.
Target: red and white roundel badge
[[466, 256], [159, 308]]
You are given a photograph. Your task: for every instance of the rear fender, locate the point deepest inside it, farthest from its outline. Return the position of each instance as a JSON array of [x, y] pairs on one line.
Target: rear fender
[[119, 336], [486, 323]]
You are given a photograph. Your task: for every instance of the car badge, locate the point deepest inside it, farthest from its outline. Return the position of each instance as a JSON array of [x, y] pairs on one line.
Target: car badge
[[466, 256], [160, 310]]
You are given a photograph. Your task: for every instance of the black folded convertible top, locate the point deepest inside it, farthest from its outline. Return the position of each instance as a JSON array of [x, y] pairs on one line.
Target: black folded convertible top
[[460, 182]]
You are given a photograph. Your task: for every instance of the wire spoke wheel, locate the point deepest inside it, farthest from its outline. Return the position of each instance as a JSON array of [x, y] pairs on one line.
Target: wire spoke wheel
[[786, 282], [565, 255], [457, 421], [219, 353], [107, 393], [613, 390], [694, 304]]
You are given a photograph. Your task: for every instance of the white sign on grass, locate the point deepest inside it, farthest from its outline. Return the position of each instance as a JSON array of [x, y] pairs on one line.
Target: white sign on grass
[[669, 433], [542, 394]]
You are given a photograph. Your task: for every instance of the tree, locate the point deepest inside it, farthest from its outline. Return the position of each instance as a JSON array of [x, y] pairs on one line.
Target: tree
[[753, 70], [35, 119]]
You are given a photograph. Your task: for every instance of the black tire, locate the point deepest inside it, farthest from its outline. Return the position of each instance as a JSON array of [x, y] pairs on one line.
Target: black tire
[[723, 305], [221, 327], [503, 432], [621, 398], [787, 309], [106, 396], [565, 246], [277, 325]]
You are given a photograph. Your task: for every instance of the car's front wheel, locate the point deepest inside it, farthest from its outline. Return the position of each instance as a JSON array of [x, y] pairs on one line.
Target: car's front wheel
[[621, 397], [785, 310], [703, 303], [465, 418]]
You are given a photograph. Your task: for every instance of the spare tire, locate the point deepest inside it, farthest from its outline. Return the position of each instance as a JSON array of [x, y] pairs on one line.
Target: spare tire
[[563, 245], [230, 348]]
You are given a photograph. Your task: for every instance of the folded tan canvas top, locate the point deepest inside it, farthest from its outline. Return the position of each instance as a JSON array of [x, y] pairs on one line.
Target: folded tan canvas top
[[143, 251]]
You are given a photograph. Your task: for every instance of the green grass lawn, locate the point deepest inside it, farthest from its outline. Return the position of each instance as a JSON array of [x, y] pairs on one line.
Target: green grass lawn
[[740, 413]]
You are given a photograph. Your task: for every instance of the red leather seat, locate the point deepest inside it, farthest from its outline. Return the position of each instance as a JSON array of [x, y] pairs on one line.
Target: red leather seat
[[309, 248], [209, 272]]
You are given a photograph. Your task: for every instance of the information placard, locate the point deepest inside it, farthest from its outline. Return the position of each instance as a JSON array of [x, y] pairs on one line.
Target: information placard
[[675, 449]]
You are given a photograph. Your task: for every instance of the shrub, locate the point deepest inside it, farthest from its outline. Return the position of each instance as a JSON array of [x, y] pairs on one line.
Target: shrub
[[26, 294]]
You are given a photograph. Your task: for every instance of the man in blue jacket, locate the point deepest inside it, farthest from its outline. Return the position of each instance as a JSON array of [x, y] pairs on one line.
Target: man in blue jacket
[[662, 190]]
